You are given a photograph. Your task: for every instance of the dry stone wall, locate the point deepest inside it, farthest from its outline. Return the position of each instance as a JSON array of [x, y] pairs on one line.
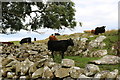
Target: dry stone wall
[[86, 47], [33, 61]]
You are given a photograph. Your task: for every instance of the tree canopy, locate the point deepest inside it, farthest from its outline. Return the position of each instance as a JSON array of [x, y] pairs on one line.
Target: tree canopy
[[54, 15]]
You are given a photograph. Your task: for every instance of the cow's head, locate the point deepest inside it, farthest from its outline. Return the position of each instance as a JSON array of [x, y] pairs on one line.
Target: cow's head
[[103, 26], [70, 42]]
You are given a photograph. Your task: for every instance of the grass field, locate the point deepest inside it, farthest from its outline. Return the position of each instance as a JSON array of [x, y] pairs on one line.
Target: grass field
[[15, 42]]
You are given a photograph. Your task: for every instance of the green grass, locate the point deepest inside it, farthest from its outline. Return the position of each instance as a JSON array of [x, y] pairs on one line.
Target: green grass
[[112, 38], [81, 61], [110, 67], [15, 42]]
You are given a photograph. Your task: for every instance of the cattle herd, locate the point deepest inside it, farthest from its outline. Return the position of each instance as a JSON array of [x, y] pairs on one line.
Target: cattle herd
[[58, 45]]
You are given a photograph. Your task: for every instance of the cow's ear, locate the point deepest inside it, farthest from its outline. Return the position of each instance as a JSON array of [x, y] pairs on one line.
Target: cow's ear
[[70, 39], [104, 26]]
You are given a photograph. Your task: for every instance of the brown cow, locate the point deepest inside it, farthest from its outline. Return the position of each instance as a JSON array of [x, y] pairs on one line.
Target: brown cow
[[87, 31], [92, 31], [52, 37]]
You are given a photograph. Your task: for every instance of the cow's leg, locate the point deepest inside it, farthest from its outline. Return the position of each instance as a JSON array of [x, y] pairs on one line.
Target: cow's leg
[[52, 54], [62, 55]]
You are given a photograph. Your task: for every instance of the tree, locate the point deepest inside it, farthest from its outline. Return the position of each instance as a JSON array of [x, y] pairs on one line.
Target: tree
[[52, 15]]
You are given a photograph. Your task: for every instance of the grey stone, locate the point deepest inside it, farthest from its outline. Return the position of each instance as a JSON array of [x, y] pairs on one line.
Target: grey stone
[[32, 68], [84, 77], [112, 74], [86, 53], [75, 72], [1, 49], [67, 63], [56, 67], [11, 63], [78, 52], [32, 52], [118, 77], [40, 62], [68, 78], [10, 74], [49, 64], [108, 59], [102, 45], [96, 42], [84, 39], [1, 61], [107, 74], [6, 61], [102, 74], [98, 53], [38, 73], [62, 72], [47, 73], [24, 77], [25, 65], [100, 38], [18, 67], [91, 69]]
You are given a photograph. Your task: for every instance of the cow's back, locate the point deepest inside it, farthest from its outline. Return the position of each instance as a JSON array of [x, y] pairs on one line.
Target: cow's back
[[25, 40], [100, 30], [57, 45]]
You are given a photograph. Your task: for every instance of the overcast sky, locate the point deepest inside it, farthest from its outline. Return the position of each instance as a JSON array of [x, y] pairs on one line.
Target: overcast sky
[[92, 13]]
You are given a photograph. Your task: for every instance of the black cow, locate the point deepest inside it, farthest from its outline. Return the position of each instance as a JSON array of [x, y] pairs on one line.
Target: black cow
[[57, 34], [59, 45], [25, 40], [34, 39], [99, 30]]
